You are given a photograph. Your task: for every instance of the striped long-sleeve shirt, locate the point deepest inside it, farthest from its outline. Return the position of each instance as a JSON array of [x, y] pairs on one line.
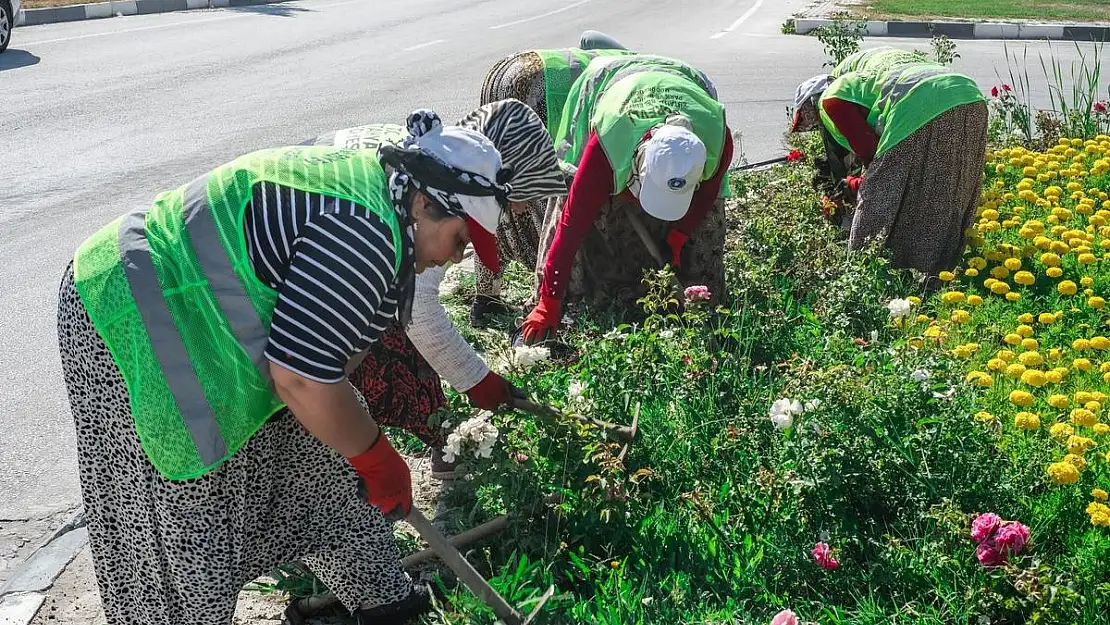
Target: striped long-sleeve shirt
[[332, 263]]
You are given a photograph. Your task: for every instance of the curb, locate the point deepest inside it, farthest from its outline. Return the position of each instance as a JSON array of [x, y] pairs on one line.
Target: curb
[[116, 8], [970, 30], [23, 594]]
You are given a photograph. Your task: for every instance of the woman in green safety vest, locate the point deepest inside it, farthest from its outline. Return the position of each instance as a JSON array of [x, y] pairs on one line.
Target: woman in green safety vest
[[541, 79], [206, 342], [920, 130], [650, 150]]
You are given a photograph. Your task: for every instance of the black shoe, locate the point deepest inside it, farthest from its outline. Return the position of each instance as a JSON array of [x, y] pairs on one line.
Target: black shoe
[[483, 307], [441, 469], [398, 613]]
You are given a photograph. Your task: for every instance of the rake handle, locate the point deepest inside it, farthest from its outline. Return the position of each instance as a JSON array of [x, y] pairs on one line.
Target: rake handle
[[619, 432]]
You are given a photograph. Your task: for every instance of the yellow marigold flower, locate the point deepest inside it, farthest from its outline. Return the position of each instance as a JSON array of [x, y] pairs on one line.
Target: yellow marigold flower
[[1059, 247], [1093, 406], [1055, 353], [1006, 355], [1100, 342], [1013, 264], [971, 272], [1049, 259], [1063, 473], [1012, 296], [1026, 318], [923, 318], [1000, 273], [1053, 376], [983, 416], [1042, 242], [1079, 445], [1034, 377], [1086, 281], [1024, 330], [1031, 359], [1061, 431], [977, 262], [1099, 494], [960, 316], [1027, 421], [1021, 398], [1080, 345], [1082, 397], [1101, 429], [1067, 287], [990, 282], [948, 276], [1024, 278], [980, 378], [1058, 401], [1015, 370], [1083, 417], [952, 297], [974, 300], [1106, 377], [1046, 318], [1087, 259], [933, 332], [1077, 461], [1012, 339], [961, 351], [1054, 272], [913, 299], [996, 364], [1030, 344], [1081, 364], [1100, 518]]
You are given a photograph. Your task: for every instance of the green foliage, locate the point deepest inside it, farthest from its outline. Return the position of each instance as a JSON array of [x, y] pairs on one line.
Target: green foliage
[[842, 38]]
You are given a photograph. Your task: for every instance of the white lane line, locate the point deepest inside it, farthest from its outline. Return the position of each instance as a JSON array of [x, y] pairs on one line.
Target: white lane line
[[743, 18], [185, 22], [424, 45], [540, 16]]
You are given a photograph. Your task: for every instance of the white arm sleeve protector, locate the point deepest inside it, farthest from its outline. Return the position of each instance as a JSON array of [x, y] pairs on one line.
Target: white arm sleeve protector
[[437, 339]]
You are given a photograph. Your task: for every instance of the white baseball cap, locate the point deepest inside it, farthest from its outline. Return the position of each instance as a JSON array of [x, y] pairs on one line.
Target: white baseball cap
[[671, 167]]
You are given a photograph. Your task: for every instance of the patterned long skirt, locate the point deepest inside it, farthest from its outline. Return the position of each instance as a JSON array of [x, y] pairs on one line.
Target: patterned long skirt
[[401, 389], [922, 195], [519, 76], [178, 552], [608, 270]]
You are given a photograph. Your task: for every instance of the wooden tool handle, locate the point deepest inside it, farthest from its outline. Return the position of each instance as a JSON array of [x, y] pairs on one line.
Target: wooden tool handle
[[457, 563]]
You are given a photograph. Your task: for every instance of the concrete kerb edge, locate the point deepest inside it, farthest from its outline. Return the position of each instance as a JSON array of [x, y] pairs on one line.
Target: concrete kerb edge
[[47, 561], [77, 12], [970, 30]]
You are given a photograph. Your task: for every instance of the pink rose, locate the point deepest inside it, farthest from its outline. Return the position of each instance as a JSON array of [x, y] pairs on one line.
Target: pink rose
[[823, 557], [983, 526], [989, 554], [1012, 537], [698, 293], [994, 92], [1099, 107], [786, 617]]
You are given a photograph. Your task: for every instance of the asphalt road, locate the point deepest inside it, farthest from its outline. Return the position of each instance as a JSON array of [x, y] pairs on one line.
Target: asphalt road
[[97, 117]]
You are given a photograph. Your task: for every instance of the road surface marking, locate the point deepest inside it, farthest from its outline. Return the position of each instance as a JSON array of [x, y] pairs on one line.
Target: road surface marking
[[743, 18], [184, 22], [540, 16], [424, 45]]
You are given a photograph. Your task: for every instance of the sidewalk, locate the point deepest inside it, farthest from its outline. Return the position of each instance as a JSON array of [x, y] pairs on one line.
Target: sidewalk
[[817, 15]]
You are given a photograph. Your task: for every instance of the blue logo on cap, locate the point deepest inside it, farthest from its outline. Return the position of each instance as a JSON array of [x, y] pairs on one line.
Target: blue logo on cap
[[676, 184]]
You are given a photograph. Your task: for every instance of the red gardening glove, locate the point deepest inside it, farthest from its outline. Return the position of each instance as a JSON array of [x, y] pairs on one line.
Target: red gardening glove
[[491, 393], [387, 478], [854, 183], [677, 240], [543, 321]]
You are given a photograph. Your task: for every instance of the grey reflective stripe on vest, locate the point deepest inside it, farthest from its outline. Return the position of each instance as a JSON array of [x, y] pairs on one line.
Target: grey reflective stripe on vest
[[212, 257], [564, 145], [900, 83], [169, 349]]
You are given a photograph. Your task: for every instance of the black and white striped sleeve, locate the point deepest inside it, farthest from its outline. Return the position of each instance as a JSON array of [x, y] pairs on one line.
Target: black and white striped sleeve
[[339, 277]]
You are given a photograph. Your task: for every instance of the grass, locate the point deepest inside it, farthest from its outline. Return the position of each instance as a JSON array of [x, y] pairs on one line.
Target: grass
[[1037, 10], [39, 4]]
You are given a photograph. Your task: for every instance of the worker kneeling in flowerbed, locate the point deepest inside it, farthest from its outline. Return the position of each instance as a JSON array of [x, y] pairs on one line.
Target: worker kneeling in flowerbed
[[920, 130]]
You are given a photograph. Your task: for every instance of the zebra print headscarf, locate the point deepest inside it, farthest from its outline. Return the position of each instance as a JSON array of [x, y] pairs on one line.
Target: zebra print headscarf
[[525, 146]]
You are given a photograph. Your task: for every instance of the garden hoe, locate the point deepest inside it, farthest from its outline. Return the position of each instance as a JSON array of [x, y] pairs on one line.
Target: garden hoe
[[617, 433]]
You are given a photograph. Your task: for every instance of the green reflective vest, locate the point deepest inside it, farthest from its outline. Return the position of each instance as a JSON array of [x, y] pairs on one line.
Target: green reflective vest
[[171, 290], [901, 92], [622, 98], [560, 69]]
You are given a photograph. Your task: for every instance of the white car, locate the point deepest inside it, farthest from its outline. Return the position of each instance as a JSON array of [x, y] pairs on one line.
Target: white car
[[10, 11]]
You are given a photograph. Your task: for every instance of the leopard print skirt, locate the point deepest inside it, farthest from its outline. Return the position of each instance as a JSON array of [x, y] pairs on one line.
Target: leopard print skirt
[[923, 194], [520, 77], [609, 268], [178, 552]]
